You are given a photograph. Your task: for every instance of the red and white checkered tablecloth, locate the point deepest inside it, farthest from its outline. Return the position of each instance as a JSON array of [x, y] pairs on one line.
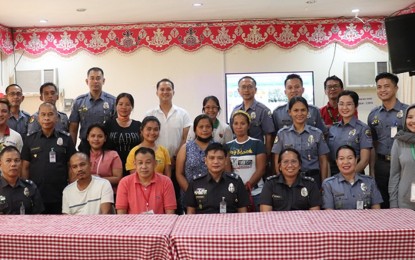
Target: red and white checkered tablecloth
[[340, 234], [86, 237]]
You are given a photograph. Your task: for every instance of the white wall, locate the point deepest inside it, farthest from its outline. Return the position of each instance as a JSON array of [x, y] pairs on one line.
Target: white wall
[[195, 74]]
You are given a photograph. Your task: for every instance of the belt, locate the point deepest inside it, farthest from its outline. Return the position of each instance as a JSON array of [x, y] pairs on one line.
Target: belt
[[384, 157]]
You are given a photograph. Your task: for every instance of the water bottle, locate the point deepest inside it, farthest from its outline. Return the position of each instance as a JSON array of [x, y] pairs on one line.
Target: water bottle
[[222, 206]]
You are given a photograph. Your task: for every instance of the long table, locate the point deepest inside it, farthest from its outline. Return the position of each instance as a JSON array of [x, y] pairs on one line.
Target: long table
[[340, 234], [86, 237]]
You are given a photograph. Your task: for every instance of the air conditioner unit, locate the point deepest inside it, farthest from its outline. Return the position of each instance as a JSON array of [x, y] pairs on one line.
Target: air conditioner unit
[[31, 80], [363, 74]]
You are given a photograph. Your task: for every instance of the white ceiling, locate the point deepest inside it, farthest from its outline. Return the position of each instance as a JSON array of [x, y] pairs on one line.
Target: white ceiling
[[28, 13]]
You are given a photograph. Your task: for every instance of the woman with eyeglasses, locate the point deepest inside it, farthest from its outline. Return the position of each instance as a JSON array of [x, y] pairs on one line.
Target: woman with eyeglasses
[[290, 190], [222, 133], [350, 189], [305, 138], [350, 131], [402, 171]]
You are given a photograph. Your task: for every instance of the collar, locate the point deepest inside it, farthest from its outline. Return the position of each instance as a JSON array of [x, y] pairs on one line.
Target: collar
[[210, 178], [90, 96], [357, 178], [20, 115], [4, 183], [306, 129], [352, 122], [7, 130], [396, 107], [54, 134], [330, 106], [252, 107], [137, 180], [298, 181]]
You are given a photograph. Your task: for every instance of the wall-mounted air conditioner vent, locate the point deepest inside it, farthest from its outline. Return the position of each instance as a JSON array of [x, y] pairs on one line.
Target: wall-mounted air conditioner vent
[[31, 80], [362, 74]]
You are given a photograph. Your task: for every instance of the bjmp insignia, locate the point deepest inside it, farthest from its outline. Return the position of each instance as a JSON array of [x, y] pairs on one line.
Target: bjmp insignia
[[399, 114], [304, 192], [231, 188], [253, 115], [26, 192], [363, 186]]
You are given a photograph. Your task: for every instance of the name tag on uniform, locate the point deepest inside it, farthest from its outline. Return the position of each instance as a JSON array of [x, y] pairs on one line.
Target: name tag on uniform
[[359, 204], [52, 156], [413, 192], [149, 212], [394, 130]]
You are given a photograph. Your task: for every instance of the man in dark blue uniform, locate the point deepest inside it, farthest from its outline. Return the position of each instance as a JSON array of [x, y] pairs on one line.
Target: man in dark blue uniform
[[45, 157], [217, 191], [384, 122], [18, 119], [17, 196]]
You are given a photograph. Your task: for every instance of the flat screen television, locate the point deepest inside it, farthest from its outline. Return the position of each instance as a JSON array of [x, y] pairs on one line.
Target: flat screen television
[[270, 88]]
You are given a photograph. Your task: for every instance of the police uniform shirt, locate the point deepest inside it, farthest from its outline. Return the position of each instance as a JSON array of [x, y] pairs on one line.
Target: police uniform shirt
[[355, 133], [87, 111], [50, 177], [261, 120], [19, 125], [25, 191], [338, 193], [281, 118], [302, 195], [61, 125], [205, 194], [310, 143], [380, 122]]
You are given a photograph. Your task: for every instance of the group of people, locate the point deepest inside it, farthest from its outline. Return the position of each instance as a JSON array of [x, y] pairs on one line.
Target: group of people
[[264, 160]]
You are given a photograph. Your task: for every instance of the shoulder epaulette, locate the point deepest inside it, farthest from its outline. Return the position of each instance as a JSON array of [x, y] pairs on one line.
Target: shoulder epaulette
[[271, 177], [199, 176], [232, 175]]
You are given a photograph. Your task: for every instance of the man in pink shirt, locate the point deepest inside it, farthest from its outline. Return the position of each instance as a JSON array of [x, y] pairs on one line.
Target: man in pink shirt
[[145, 191]]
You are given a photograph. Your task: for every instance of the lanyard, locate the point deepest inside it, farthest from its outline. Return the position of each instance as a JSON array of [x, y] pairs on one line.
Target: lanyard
[[146, 198], [99, 163], [334, 120]]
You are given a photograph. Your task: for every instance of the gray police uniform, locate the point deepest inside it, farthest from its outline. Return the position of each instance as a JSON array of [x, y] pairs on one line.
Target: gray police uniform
[[355, 133], [205, 194], [281, 118], [87, 111], [50, 173], [302, 195], [261, 120], [381, 121], [310, 143], [61, 125], [25, 191], [338, 193], [19, 125]]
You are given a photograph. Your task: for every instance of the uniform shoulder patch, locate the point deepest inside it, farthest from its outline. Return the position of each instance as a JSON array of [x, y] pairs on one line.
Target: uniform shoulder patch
[[64, 132], [199, 176], [232, 175], [271, 177], [368, 133], [28, 182], [308, 178], [25, 113], [32, 119]]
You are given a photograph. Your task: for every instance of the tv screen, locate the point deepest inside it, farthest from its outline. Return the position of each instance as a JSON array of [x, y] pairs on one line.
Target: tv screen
[[270, 88]]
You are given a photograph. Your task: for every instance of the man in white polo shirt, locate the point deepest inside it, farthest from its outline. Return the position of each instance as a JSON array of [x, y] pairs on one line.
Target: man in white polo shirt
[[175, 123], [88, 195]]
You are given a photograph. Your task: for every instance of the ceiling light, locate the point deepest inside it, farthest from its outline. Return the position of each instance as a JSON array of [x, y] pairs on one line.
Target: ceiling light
[[81, 10], [197, 5], [310, 2], [355, 10], [43, 21]]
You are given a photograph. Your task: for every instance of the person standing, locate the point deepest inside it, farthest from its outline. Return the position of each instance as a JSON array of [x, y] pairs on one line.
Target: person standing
[[18, 119], [48, 93], [17, 196], [294, 88], [8, 137], [45, 157], [175, 123], [330, 112], [96, 106], [123, 132], [261, 127], [402, 177], [384, 122]]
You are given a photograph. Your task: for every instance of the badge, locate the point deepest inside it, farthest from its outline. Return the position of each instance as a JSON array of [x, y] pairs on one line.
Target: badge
[[231, 188], [253, 115], [276, 139], [32, 118], [269, 113], [368, 133], [311, 139], [105, 105], [399, 114], [308, 115], [200, 191], [2, 199], [363, 186], [35, 155], [352, 132], [26, 192], [304, 192], [60, 141], [376, 120]]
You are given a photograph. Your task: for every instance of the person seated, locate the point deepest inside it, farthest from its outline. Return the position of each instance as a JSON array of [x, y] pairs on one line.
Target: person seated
[[145, 191], [290, 190], [348, 189], [89, 194], [17, 196], [217, 191], [105, 163]]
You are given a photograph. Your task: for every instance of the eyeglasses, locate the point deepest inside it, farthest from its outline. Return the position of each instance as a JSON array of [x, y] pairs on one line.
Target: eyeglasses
[[210, 108], [249, 87], [17, 94], [332, 87], [288, 162]]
